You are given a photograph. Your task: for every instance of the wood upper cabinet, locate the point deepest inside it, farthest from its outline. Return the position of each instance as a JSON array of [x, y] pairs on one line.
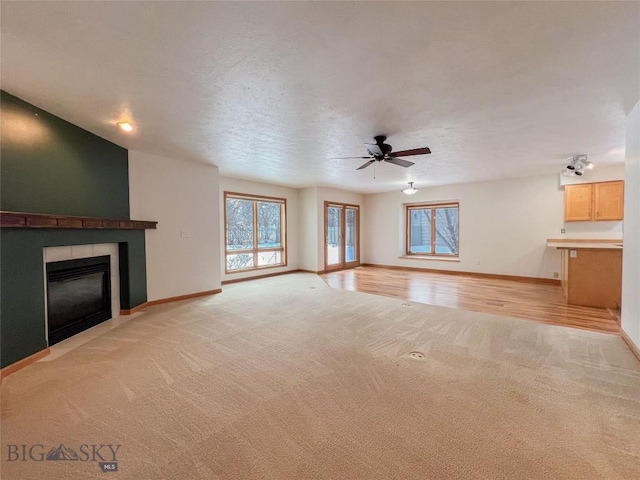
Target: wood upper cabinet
[[578, 202], [608, 200], [594, 201]]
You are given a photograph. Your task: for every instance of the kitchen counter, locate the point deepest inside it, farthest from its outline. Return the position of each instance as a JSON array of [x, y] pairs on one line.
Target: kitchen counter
[[591, 271], [585, 244]]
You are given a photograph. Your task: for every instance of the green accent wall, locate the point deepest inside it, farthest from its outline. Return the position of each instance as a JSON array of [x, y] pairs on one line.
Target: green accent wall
[[49, 165], [22, 281]]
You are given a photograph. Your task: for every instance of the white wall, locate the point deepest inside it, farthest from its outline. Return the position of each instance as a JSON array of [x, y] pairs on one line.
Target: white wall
[[631, 251], [179, 195], [504, 226], [255, 188], [308, 228]]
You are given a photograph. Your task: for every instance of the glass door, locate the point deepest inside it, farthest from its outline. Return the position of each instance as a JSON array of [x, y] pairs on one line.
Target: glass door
[[341, 248], [333, 246], [350, 235]]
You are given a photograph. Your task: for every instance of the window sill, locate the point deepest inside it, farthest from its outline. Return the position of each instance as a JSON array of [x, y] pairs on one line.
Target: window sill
[[253, 269], [430, 257]]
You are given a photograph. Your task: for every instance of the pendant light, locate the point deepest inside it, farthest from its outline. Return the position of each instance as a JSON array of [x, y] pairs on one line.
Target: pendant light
[[410, 190]]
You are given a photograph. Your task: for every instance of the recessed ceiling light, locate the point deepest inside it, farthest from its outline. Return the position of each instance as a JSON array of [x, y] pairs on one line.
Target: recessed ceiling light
[[126, 126]]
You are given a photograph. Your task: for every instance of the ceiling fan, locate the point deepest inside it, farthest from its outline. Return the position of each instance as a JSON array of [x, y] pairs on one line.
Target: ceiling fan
[[381, 151]]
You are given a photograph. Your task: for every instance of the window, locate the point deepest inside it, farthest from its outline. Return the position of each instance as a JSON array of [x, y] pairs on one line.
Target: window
[[255, 232], [432, 230]]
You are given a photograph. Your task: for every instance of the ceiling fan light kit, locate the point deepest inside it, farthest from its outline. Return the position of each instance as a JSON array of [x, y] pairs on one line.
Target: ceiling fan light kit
[[410, 190]]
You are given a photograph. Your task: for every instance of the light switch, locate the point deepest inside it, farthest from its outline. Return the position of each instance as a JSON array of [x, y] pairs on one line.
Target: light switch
[[184, 233], [573, 253]]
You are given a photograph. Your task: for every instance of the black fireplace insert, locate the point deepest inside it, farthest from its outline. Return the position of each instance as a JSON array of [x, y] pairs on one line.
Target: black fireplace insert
[[78, 296]]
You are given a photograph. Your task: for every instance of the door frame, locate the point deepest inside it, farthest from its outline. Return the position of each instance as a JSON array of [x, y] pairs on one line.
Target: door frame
[[343, 265]]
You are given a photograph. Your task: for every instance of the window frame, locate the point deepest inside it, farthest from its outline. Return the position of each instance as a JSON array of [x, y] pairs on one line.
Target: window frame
[[256, 249], [433, 207]]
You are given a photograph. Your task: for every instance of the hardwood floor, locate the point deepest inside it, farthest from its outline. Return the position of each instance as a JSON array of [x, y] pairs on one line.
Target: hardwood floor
[[529, 301]]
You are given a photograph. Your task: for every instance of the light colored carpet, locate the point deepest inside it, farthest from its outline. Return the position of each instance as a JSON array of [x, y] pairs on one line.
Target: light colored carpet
[[286, 378]]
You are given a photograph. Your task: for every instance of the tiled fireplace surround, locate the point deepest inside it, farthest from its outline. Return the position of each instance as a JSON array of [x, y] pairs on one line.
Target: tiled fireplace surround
[[73, 252]]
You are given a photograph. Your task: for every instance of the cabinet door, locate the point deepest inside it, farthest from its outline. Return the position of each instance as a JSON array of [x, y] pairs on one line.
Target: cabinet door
[[609, 200], [578, 200]]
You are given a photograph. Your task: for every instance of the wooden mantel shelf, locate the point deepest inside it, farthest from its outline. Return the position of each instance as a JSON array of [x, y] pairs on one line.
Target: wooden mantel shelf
[[38, 220]]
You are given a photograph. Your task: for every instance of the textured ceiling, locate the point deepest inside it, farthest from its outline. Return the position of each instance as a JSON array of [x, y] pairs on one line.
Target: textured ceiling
[[273, 91]]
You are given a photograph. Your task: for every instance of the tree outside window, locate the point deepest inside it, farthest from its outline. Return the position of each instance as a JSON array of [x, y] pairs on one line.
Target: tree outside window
[[254, 232], [432, 230]]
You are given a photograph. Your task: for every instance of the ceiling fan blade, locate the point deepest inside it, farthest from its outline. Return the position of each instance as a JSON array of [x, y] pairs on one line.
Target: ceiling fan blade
[[399, 161], [365, 165], [407, 153], [348, 158], [374, 149]]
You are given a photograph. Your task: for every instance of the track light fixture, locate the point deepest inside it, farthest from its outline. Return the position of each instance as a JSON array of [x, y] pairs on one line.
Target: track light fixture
[[576, 166]]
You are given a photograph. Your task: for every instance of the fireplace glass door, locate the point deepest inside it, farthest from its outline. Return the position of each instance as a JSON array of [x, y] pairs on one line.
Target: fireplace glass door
[[78, 296]]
